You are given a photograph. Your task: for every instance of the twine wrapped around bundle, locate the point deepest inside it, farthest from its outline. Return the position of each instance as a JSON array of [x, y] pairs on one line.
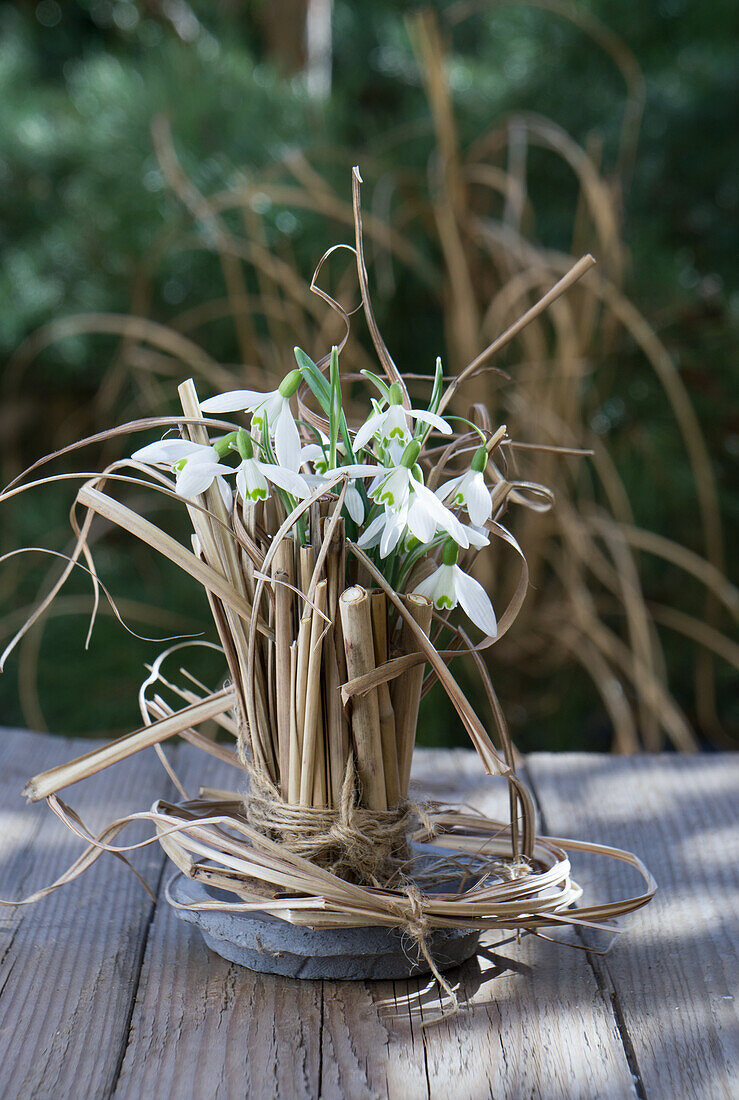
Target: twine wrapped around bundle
[[367, 847]]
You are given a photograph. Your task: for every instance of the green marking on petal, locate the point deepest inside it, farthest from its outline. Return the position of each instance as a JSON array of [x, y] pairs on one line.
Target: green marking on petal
[[444, 603]]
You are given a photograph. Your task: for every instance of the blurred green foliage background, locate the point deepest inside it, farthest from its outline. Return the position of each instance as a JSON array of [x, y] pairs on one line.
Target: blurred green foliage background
[[85, 211]]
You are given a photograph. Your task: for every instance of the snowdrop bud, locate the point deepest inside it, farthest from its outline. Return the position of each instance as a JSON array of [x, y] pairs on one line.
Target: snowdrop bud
[[289, 384], [410, 454], [225, 444], [244, 444], [480, 460]]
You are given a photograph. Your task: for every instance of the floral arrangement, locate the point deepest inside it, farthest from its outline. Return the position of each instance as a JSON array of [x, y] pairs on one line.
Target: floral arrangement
[[337, 559], [300, 505], [397, 516]]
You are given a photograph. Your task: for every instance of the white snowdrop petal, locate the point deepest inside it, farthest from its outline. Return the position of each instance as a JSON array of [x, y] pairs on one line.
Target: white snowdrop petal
[[475, 602], [435, 421], [396, 425], [250, 481], [479, 501], [445, 519], [446, 588], [287, 440], [448, 488], [168, 451], [391, 535], [312, 452], [233, 401], [195, 478], [372, 535], [354, 504], [286, 479], [359, 469], [420, 521], [393, 490], [370, 427], [427, 587], [478, 537]]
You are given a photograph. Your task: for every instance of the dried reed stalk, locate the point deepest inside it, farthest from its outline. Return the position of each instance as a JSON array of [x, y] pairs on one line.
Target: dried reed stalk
[[283, 570], [406, 690], [356, 622], [378, 608], [334, 666], [313, 762]]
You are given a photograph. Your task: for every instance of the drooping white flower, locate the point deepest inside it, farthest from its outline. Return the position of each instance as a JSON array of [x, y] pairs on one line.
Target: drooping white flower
[[449, 585], [470, 491], [391, 427], [354, 503], [272, 408], [408, 506], [195, 466], [253, 477], [316, 455]]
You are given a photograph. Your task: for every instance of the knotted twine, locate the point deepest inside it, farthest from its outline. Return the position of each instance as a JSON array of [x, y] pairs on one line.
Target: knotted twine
[[366, 847]]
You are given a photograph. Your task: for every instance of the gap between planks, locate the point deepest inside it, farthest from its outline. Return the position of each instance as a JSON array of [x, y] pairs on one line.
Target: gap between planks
[[598, 965]]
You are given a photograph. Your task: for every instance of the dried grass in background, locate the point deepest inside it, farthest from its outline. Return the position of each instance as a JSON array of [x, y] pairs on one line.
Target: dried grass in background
[[483, 268]]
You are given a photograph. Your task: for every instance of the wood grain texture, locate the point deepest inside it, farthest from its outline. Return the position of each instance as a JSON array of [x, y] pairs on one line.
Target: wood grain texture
[[536, 1022], [672, 977], [125, 1001], [68, 964], [204, 1028]]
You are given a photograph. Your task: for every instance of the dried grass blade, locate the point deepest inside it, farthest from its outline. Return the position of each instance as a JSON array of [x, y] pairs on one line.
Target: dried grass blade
[[55, 779], [159, 540]]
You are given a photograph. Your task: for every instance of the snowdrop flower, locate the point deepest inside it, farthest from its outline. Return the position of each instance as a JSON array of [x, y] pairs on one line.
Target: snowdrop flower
[[449, 585], [317, 456], [252, 475], [195, 466], [354, 503], [353, 499], [391, 426], [470, 491], [272, 407], [478, 536], [408, 505]]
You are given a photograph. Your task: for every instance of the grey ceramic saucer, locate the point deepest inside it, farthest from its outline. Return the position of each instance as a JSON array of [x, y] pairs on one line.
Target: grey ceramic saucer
[[270, 945]]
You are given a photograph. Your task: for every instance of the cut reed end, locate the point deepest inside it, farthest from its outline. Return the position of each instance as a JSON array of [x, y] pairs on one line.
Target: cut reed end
[[353, 595], [30, 792]]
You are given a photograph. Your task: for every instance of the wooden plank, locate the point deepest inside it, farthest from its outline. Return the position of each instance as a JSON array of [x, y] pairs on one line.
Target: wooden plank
[[672, 976], [68, 964], [536, 1023], [204, 1028]]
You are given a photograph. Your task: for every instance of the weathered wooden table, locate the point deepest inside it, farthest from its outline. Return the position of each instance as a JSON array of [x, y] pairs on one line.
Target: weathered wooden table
[[103, 994]]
